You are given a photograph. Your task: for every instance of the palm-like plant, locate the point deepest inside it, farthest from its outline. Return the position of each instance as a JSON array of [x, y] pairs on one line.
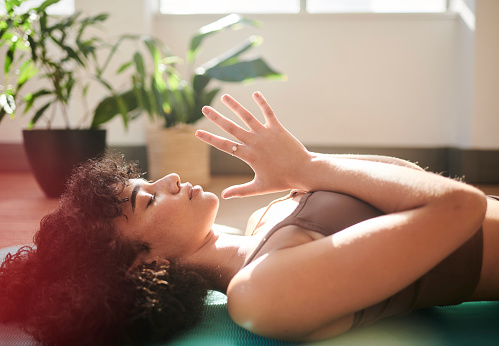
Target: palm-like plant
[[164, 94]]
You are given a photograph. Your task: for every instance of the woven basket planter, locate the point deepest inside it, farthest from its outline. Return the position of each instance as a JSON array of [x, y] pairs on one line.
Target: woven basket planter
[[177, 150]]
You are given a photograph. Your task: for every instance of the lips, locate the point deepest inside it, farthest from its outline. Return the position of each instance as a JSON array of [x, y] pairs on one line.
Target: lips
[[193, 191], [196, 190], [189, 190]]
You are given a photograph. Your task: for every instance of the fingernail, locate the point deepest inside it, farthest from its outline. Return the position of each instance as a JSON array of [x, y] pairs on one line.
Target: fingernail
[[205, 110]]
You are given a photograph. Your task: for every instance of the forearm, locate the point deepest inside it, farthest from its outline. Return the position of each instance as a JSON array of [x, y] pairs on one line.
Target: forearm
[[388, 187], [380, 158]]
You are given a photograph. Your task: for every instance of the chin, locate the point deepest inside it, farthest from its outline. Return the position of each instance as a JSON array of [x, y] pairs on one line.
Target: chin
[[211, 195], [214, 199]]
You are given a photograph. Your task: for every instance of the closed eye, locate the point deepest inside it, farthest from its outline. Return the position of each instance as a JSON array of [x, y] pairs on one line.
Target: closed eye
[[151, 200]]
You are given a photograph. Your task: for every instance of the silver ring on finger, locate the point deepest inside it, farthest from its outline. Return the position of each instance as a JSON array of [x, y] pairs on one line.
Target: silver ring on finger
[[234, 148]]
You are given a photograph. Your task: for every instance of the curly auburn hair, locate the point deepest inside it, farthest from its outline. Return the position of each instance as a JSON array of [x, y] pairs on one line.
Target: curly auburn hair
[[75, 286]]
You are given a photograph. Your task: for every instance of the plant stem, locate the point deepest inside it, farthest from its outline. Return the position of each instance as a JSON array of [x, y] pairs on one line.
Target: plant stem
[[86, 110], [65, 115], [51, 118]]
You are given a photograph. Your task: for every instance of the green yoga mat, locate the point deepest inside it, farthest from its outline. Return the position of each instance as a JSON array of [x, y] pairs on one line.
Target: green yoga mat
[[465, 324], [474, 323]]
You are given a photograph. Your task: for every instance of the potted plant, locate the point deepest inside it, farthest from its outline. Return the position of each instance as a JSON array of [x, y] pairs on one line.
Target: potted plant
[[63, 56], [57, 51], [176, 102]]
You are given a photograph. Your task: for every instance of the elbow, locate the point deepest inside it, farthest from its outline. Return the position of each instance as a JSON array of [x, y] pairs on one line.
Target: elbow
[[480, 206], [470, 204]]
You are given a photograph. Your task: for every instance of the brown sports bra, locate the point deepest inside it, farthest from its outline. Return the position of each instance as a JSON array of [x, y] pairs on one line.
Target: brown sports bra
[[450, 282]]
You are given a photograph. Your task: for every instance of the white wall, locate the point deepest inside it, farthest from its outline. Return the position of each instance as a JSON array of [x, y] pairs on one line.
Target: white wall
[[485, 117], [352, 79], [364, 79]]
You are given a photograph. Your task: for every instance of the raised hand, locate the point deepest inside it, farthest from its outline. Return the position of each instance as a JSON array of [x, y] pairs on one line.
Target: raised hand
[[274, 154]]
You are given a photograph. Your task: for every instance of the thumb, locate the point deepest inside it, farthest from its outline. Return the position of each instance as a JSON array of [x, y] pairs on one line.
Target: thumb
[[242, 190]]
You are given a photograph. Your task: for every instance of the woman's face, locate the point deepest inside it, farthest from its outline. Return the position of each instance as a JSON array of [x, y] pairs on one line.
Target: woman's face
[[174, 219]]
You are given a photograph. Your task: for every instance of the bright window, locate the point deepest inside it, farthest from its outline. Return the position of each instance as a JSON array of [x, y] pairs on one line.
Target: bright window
[[295, 6], [229, 6], [376, 6], [63, 7]]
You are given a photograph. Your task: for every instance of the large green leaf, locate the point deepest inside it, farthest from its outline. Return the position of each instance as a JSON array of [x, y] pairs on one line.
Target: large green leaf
[[109, 107], [73, 55], [27, 71], [243, 71], [31, 98], [124, 67], [230, 56], [139, 65], [122, 107], [205, 98], [43, 23], [9, 57], [33, 45], [2, 113], [178, 106], [232, 21], [4, 27], [152, 46], [208, 97], [10, 5], [159, 98], [45, 4], [38, 115], [142, 96], [200, 81]]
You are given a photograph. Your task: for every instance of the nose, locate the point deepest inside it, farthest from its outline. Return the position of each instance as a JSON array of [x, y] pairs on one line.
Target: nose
[[171, 182]]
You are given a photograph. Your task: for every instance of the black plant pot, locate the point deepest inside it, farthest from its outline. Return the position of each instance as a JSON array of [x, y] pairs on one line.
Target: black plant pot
[[53, 154]]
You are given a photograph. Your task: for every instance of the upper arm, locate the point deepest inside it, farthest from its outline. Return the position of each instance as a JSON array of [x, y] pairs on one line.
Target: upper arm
[[259, 313]]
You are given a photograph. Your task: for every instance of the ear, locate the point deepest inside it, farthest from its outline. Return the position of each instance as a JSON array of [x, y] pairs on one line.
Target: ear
[[158, 260], [144, 259]]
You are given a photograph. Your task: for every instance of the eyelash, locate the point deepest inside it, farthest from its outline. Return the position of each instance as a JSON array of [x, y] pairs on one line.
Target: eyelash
[[151, 201]]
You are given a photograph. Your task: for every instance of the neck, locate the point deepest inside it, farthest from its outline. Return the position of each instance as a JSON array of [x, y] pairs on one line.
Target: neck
[[225, 254]]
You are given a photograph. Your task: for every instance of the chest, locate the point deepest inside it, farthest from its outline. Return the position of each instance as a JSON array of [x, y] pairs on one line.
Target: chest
[[263, 221], [314, 215]]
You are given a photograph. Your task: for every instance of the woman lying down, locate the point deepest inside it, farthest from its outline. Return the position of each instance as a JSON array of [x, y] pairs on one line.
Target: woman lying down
[[359, 238]]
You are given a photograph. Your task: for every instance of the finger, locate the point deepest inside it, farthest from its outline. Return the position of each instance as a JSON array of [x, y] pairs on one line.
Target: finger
[[224, 123], [243, 190], [221, 143], [267, 111], [242, 113]]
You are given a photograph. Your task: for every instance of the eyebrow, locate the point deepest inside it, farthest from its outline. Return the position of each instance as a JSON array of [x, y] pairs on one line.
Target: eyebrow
[[135, 190]]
